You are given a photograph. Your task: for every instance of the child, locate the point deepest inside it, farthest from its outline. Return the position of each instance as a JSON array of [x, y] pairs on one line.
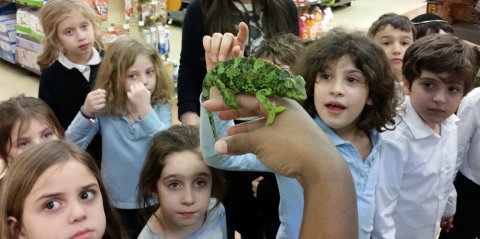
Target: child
[[70, 59], [350, 95], [429, 23], [394, 33], [176, 176], [60, 195], [129, 105], [467, 184], [26, 121], [282, 50], [419, 157]]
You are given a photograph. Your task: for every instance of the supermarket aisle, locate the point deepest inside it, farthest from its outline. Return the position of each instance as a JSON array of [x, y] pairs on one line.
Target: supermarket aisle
[[15, 80]]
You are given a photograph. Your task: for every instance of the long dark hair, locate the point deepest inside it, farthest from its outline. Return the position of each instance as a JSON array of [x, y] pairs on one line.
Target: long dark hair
[[220, 15]]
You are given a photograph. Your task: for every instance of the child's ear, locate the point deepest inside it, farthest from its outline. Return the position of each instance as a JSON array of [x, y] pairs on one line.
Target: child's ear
[[406, 86], [15, 228]]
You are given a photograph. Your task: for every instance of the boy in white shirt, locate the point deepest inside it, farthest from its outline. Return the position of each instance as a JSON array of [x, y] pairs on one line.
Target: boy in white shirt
[[467, 218], [415, 193]]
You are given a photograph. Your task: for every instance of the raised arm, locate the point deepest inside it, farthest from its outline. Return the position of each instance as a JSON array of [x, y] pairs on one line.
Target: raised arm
[[294, 151]]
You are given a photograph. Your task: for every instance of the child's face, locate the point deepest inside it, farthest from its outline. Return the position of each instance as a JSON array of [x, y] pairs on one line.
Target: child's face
[[35, 133], [394, 42], [432, 98], [65, 202], [340, 94], [142, 71], [76, 35], [184, 191]]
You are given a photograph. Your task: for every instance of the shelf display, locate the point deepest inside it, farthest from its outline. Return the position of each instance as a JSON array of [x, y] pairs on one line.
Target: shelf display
[[7, 32], [21, 34]]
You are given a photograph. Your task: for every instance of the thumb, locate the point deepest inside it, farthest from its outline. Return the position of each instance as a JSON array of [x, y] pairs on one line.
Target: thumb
[[235, 145]]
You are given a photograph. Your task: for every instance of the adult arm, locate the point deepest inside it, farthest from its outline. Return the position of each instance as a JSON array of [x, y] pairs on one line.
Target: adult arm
[[303, 152], [247, 162]]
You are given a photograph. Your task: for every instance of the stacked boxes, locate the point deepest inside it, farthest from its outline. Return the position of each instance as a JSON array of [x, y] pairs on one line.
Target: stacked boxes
[[7, 32], [29, 38]]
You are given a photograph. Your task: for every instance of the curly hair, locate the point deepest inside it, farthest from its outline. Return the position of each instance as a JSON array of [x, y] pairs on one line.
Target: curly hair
[[369, 58]]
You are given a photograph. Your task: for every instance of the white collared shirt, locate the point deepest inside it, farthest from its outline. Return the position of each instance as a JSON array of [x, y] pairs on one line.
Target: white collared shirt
[[84, 69], [469, 136], [415, 183]]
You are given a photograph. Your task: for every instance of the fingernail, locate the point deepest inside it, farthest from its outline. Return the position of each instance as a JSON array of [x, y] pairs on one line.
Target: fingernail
[[221, 147], [221, 58]]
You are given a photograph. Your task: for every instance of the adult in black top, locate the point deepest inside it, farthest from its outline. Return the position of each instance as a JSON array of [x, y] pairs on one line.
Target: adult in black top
[[202, 19]]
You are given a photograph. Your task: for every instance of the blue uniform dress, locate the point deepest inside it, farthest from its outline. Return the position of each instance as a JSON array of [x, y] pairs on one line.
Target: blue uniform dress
[[124, 149], [364, 173]]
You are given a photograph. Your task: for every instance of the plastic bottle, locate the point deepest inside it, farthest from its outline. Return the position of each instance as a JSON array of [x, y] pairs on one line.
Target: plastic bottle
[[303, 27], [317, 22]]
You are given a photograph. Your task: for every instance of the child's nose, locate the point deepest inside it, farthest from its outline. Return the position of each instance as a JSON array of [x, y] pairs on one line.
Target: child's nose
[[396, 47], [440, 96], [187, 197], [81, 35], [337, 87], [77, 213]]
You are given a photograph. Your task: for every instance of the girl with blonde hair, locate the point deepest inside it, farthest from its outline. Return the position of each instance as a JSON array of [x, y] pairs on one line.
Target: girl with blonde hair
[[129, 105], [70, 59]]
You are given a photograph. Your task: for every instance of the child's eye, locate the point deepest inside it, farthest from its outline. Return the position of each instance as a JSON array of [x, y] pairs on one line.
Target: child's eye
[[428, 85], [406, 43], [455, 89], [69, 32], [150, 72], [326, 77], [85, 26], [323, 77], [23, 143], [385, 43], [87, 195], [50, 205], [352, 80], [132, 76], [47, 135], [200, 183], [174, 185]]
